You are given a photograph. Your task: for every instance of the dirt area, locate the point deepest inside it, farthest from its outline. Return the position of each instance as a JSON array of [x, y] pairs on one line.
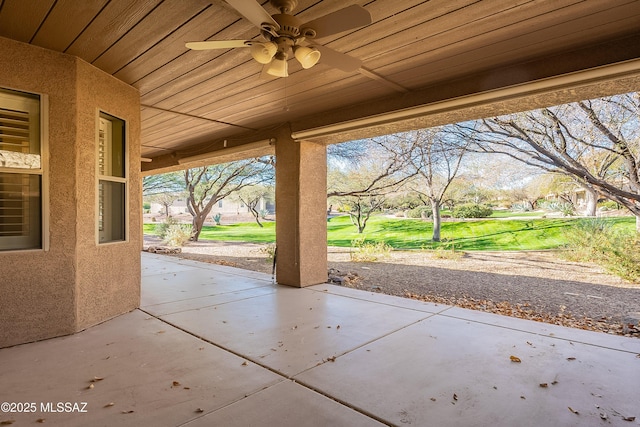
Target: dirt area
[[536, 285]]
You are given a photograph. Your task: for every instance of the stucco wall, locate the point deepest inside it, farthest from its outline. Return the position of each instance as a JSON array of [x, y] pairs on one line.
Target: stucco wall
[[108, 275], [74, 283]]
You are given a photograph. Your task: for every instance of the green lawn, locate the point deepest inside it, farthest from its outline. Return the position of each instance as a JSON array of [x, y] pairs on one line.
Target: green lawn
[[488, 234]]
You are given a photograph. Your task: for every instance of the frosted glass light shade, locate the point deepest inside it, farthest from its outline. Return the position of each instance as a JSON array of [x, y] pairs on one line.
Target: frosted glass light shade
[[278, 67], [307, 56], [263, 52]]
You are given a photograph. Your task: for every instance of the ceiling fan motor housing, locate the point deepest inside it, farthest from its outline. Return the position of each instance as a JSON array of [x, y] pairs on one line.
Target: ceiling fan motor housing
[[284, 6]]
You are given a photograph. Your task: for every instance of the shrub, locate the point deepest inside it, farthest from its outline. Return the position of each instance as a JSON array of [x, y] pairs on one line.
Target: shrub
[[608, 205], [163, 227], [565, 208], [269, 250], [419, 212], [472, 210], [594, 240], [217, 217], [368, 251], [177, 234], [521, 207], [447, 251]]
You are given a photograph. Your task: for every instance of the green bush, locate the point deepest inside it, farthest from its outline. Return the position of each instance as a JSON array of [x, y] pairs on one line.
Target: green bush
[[472, 210], [608, 205], [594, 240], [419, 212]]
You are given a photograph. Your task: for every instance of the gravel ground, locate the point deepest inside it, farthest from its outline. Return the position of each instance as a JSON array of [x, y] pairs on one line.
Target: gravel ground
[[538, 285]]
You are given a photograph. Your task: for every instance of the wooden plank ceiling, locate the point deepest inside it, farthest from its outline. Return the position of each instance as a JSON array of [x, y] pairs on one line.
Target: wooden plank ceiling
[[414, 52]]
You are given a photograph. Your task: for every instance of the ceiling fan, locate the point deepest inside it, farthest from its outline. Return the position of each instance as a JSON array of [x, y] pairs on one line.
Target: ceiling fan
[[284, 35]]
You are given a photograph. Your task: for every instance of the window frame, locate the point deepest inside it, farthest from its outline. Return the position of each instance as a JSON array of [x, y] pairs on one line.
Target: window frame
[[42, 172], [102, 114]]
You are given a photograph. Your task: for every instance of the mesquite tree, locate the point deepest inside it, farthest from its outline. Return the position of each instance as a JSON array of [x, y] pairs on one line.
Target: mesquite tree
[[595, 142], [207, 185], [434, 156], [361, 175]]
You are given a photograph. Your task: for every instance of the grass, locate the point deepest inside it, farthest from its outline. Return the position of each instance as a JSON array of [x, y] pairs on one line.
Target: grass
[[486, 234]]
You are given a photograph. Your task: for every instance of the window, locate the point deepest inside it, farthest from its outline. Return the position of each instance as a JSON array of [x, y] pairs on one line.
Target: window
[[112, 179], [20, 171]]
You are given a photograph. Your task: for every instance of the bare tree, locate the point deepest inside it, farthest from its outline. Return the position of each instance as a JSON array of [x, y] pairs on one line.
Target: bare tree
[[595, 142], [252, 195], [166, 199], [362, 174], [208, 185], [435, 156]]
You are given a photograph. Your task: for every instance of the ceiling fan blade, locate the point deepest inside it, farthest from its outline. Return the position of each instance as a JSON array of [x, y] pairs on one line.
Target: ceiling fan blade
[[338, 60], [216, 44], [350, 17], [255, 14]]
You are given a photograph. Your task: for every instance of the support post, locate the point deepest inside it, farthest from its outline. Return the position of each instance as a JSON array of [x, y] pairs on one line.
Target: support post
[[301, 217]]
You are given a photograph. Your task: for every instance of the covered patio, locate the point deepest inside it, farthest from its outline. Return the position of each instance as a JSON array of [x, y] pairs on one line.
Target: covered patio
[[216, 345]]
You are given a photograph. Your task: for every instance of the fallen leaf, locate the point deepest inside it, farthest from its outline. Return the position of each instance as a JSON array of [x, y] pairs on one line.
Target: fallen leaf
[[186, 388], [96, 379], [629, 418], [515, 359], [522, 397], [572, 410], [108, 405], [455, 396], [199, 410], [131, 411], [40, 420], [571, 358], [7, 422], [245, 363], [90, 386], [544, 385], [433, 399], [554, 382], [176, 383], [338, 327]]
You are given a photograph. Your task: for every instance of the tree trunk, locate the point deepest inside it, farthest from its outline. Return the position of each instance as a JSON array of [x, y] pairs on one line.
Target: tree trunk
[[256, 215], [592, 202], [435, 210], [198, 221]]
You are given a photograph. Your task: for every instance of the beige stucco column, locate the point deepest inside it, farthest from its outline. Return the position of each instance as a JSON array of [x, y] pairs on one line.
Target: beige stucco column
[[301, 217]]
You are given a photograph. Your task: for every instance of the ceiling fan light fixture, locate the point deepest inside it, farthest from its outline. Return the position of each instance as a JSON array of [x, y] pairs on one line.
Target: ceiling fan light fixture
[[307, 56], [278, 67], [263, 52]]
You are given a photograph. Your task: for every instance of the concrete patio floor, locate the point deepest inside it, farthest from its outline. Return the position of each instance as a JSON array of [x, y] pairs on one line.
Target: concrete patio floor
[[217, 346]]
